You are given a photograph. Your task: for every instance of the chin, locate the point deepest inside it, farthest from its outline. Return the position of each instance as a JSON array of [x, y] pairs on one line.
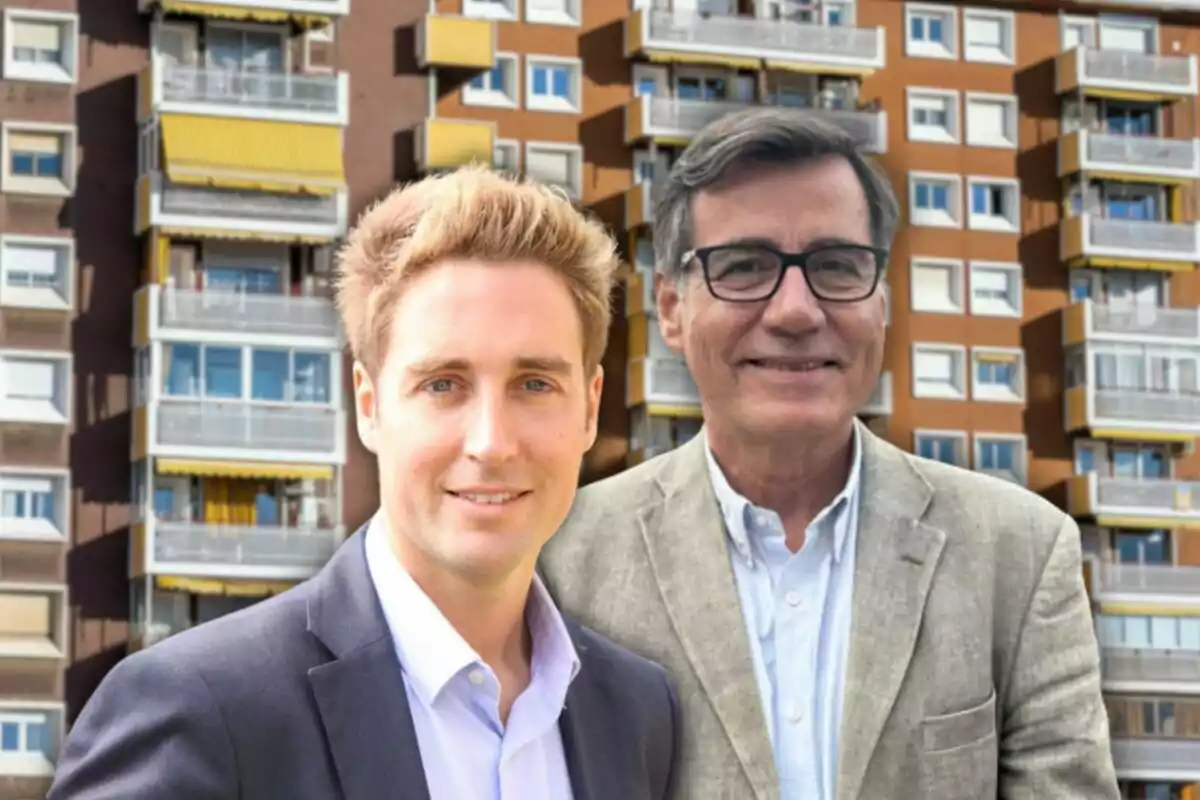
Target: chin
[[794, 416]]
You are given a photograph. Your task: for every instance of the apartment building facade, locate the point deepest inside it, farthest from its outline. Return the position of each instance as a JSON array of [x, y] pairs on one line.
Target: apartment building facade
[[176, 434]]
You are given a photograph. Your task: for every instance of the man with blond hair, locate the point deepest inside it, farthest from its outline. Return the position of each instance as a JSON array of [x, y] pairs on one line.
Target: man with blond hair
[[425, 661]]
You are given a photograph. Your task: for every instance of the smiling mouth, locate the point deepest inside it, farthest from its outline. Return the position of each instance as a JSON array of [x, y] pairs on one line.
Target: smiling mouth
[[792, 366], [489, 498]]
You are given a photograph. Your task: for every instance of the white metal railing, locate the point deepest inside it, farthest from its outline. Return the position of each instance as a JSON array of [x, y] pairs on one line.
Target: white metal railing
[[1131, 67], [247, 312], [198, 201], [1149, 579], [1181, 756], [244, 545], [687, 117], [1137, 664], [1149, 494], [791, 38], [1144, 406], [271, 90], [1134, 234], [1147, 153], [1144, 320], [244, 425]]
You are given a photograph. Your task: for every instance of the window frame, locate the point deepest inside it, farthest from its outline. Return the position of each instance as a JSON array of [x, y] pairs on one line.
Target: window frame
[[571, 17], [67, 284], [958, 287], [1016, 283], [1010, 223], [960, 437], [13, 70], [981, 393], [60, 479], [950, 23], [979, 438], [36, 185], [958, 353], [575, 190], [551, 106], [508, 97], [1009, 21], [515, 145], [504, 11], [1012, 113], [955, 187], [953, 134]]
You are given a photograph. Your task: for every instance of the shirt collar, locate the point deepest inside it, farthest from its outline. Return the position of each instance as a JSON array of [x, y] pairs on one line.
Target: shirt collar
[[736, 510], [432, 652]]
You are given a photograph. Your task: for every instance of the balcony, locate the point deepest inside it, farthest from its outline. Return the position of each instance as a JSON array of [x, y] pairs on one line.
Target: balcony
[[179, 547], [204, 210], [640, 201], [879, 404], [170, 88], [672, 121], [1103, 72], [1090, 321], [1137, 414], [304, 12], [653, 435], [443, 144], [1159, 584], [1134, 502], [456, 42], [1159, 760], [1135, 244], [744, 42], [1131, 156], [189, 428], [1126, 669], [664, 386], [163, 311]]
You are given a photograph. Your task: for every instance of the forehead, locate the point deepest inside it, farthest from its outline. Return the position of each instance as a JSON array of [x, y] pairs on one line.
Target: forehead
[[485, 313], [789, 206]]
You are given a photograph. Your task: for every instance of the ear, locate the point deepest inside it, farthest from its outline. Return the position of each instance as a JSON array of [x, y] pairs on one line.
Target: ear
[[366, 406], [668, 298], [595, 388]]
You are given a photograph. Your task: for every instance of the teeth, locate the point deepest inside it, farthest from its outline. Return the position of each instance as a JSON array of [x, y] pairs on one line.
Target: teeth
[[489, 498]]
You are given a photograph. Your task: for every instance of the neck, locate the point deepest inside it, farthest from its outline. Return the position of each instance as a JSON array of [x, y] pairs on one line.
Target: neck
[[794, 476]]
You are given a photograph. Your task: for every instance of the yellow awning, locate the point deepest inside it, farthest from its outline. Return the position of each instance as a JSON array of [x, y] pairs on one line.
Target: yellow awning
[[700, 57], [227, 588], [816, 69], [253, 155], [1150, 609], [244, 469], [1127, 434], [216, 11], [242, 236]]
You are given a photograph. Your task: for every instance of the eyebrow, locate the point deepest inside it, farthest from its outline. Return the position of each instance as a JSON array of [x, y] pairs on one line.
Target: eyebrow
[[549, 364]]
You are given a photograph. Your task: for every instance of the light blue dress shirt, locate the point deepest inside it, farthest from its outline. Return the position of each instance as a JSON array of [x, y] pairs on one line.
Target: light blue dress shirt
[[454, 696], [797, 608]]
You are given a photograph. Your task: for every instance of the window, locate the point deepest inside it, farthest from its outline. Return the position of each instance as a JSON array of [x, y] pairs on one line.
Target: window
[[552, 12], [649, 80], [290, 376], [1078, 32], [494, 87], [939, 371], [937, 285], [30, 505], [36, 271], [989, 36], [31, 623], [318, 49], [27, 734], [999, 374], [556, 164], [1001, 455], [553, 84], [1129, 34], [949, 447], [932, 115], [995, 204], [995, 289], [991, 120], [490, 9], [40, 46], [33, 386], [935, 200], [929, 31], [39, 158], [506, 156]]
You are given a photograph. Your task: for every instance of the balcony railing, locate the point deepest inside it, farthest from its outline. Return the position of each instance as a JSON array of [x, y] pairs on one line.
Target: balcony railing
[[247, 426], [1090, 234], [246, 312], [1126, 70], [244, 545], [1158, 579], [1141, 155], [1157, 759], [1088, 319], [1143, 406], [203, 202], [276, 91], [1135, 664], [783, 40], [1159, 498]]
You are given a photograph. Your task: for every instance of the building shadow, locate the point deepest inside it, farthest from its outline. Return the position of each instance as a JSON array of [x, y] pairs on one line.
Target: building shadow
[[597, 48], [1041, 339], [84, 675], [106, 22]]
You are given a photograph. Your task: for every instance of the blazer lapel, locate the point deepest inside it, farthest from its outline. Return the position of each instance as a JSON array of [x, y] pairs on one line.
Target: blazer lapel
[[360, 694], [587, 746], [685, 538], [896, 557]]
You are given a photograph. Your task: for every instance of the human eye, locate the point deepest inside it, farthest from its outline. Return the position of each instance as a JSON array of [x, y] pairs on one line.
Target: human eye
[[438, 386], [538, 385]]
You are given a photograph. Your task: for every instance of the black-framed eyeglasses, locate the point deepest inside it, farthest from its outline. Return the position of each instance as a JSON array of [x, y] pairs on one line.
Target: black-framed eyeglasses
[[751, 273]]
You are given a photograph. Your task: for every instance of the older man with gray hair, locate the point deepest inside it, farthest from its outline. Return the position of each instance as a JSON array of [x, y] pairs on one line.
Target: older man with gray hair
[[844, 620]]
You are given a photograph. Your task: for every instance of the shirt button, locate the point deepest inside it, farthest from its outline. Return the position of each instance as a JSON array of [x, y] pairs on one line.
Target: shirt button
[[795, 715], [476, 677], [793, 598], [761, 519]]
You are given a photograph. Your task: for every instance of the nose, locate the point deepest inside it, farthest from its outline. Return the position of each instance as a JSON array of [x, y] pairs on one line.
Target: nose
[[491, 435], [794, 309]]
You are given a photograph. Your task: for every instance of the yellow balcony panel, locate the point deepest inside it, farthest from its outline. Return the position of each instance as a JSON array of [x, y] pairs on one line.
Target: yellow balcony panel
[[456, 42], [640, 200], [742, 42], [1133, 414], [1125, 75], [1088, 320], [1095, 241], [252, 155], [645, 339], [306, 13], [672, 121], [1134, 158], [226, 588], [451, 143], [639, 294]]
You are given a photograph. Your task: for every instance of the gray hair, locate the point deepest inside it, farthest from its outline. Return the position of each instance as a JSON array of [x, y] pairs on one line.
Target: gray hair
[[765, 135]]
